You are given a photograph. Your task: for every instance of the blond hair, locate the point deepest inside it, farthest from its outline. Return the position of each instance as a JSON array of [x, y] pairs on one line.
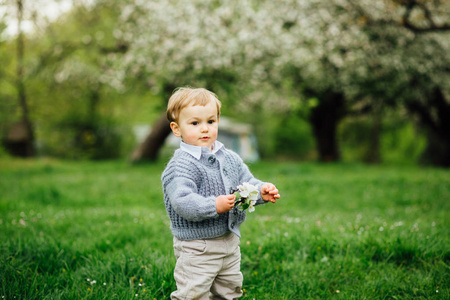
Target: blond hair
[[185, 96]]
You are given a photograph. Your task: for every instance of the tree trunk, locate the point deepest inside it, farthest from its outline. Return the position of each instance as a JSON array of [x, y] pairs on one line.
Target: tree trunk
[[437, 152], [149, 149], [27, 144], [434, 116], [94, 100], [324, 119]]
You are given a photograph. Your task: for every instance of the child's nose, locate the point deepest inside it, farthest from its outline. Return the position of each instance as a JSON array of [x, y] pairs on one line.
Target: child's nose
[[204, 127]]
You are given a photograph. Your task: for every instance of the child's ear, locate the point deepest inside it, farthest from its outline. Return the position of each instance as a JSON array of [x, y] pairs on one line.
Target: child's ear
[[175, 129]]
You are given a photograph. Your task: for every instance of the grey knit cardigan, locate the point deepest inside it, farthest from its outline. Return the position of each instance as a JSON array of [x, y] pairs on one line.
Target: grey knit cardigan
[[191, 185]]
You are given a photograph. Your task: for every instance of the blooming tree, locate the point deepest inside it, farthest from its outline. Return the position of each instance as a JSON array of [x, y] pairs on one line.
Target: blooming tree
[[339, 52], [412, 39], [195, 43]]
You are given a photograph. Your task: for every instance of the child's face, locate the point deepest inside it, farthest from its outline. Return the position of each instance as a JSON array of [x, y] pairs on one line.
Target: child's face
[[197, 125]]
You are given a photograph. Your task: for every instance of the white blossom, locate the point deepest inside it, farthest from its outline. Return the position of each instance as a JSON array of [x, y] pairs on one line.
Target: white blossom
[[326, 42], [246, 196]]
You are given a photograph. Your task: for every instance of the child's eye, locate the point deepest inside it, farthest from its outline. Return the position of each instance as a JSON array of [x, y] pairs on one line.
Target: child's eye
[[210, 121], [194, 123]]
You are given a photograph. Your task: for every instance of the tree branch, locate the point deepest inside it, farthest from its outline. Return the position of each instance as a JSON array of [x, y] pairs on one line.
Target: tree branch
[[405, 21], [410, 5]]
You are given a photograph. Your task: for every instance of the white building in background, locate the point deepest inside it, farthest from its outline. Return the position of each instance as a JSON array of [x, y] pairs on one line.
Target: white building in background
[[238, 137]]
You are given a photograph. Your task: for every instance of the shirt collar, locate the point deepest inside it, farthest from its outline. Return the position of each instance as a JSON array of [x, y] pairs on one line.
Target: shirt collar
[[196, 151]]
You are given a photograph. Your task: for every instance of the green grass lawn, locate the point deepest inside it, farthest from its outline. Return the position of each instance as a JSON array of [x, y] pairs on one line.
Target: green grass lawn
[[99, 230]]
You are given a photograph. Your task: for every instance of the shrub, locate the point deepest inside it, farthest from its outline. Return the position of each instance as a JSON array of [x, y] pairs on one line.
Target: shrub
[[77, 138]]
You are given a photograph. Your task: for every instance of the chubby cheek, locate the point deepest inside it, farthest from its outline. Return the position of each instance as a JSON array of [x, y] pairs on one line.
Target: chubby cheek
[[190, 137], [213, 133]]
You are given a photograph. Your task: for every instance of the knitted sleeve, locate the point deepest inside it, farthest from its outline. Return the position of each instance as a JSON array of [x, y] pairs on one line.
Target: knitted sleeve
[[181, 191]]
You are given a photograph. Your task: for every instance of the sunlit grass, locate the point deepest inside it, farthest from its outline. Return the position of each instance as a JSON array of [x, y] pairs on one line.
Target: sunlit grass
[[76, 230]]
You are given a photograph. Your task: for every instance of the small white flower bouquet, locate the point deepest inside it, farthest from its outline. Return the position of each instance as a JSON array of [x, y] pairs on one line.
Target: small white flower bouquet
[[246, 195]]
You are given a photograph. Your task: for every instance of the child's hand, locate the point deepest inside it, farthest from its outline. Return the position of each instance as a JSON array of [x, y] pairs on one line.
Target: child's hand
[[269, 193], [225, 203]]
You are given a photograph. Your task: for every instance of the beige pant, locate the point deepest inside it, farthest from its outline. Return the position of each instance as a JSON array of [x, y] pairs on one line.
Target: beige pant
[[208, 269]]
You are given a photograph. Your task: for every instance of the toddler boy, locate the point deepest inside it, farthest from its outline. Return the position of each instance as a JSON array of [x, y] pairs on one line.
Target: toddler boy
[[197, 184]]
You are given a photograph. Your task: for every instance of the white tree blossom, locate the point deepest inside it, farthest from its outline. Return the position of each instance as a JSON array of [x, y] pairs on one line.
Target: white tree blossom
[[337, 44]]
